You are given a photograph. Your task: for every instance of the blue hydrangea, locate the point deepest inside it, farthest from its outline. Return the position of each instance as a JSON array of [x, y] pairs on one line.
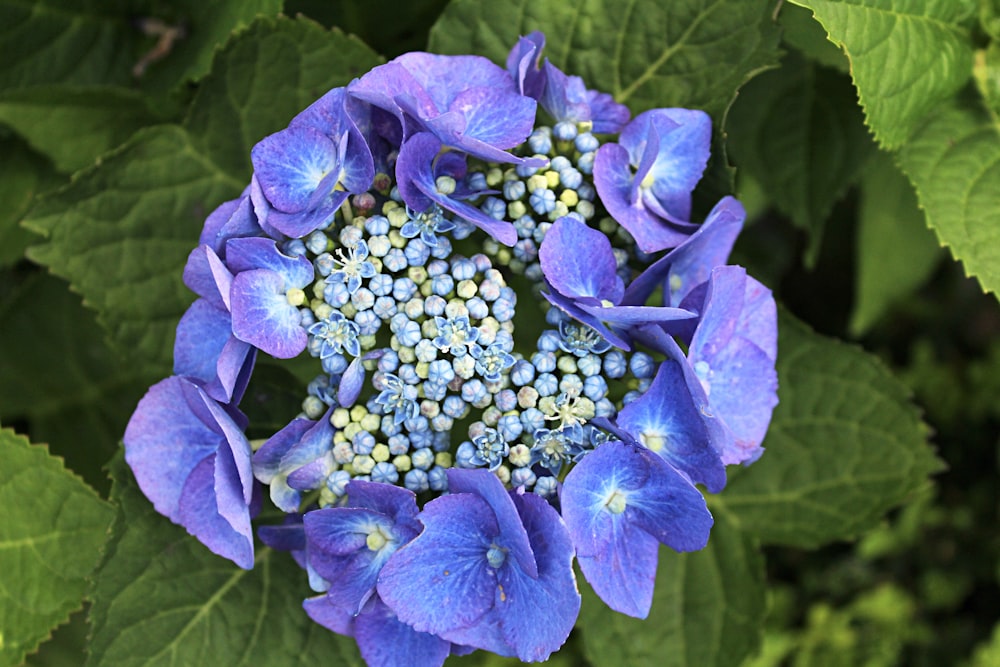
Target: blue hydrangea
[[446, 468]]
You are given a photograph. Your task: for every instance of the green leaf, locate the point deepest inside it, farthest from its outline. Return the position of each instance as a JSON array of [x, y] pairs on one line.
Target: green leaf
[[906, 56], [95, 42], [845, 446], [50, 539], [987, 75], [122, 231], [73, 125], [162, 598], [896, 250], [72, 391], [23, 175], [798, 131], [83, 42], [802, 32], [954, 162], [708, 609], [205, 27], [646, 53]]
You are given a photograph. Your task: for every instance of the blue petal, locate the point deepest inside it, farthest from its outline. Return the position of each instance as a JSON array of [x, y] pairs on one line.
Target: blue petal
[[208, 277], [666, 420], [394, 501], [208, 491], [293, 164], [263, 317], [384, 641], [690, 264], [537, 616], [329, 615], [512, 534], [522, 64], [247, 254], [170, 432], [613, 179], [441, 582], [578, 261]]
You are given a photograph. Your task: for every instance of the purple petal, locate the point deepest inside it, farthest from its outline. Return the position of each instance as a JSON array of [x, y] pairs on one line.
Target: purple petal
[[610, 493], [538, 615], [246, 254], [683, 138], [575, 310], [487, 486], [384, 641], [613, 180], [415, 175], [565, 96], [208, 493], [579, 262], [168, 435], [665, 420], [623, 573], [690, 264], [608, 116], [441, 582], [759, 319], [267, 459], [394, 501], [208, 277], [216, 220], [351, 383], [522, 64], [329, 615], [296, 167], [263, 317]]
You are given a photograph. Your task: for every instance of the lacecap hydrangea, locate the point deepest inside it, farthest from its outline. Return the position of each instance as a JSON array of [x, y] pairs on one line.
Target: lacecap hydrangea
[[526, 352]]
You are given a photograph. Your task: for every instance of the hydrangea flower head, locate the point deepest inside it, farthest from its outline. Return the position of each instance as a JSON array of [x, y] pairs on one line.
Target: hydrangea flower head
[[510, 370]]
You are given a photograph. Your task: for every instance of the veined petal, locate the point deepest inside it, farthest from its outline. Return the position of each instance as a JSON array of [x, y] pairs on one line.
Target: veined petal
[[579, 262], [665, 420], [441, 582], [385, 641], [263, 317]]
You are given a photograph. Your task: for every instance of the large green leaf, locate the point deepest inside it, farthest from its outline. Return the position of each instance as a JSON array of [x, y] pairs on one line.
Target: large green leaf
[[708, 609], [51, 534], [122, 231], [73, 125], [799, 133], [97, 42], [647, 53], [954, 162], [845, 445], [162, 598], [896, 252], [64, 382], [23, 175], [906, 56]]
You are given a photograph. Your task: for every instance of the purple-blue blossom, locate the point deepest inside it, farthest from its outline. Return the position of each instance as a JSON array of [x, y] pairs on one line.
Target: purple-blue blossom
[[492, 569]]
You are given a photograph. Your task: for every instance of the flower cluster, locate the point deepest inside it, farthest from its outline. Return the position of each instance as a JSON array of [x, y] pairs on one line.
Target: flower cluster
[[526, 353]]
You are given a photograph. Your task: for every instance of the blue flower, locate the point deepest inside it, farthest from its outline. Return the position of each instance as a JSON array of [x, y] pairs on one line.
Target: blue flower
[[455, 335], [419, 172], [490, 570], [580, 267], [191, 459], [467, 102], [668, 149], [265, 295], [398, 398], [492, 361], [297, 170], [619, 503], [347, 547], [336, 333], [352, 267], [730, 362], [490, 449], [427, 225]]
